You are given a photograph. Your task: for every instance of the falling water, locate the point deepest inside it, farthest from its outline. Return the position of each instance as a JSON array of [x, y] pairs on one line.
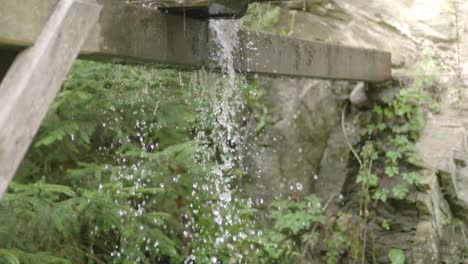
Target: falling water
[[226, 111], [219, 107]]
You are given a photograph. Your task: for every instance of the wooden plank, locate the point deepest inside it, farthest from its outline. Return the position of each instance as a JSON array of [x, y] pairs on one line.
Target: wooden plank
[[35, 77], [124, 33], [276, 55], [127, 33]]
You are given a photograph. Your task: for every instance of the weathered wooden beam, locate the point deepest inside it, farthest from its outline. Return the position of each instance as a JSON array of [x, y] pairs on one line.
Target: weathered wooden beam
[[126, 33], [276, 55], [36, 76]]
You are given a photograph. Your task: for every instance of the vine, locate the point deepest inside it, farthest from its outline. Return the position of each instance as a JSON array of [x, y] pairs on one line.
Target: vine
[[387, 156]]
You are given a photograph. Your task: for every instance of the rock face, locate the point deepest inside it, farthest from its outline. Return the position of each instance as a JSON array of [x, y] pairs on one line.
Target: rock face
[[358, 96], [410, 29], [444, 204], [289, 151], [304, 149]]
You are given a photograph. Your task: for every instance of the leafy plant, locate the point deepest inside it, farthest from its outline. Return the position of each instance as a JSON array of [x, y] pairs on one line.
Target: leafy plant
[[391, 139], [292, 223], [388, 153], [262, 17], [111, 176], [396, 256]]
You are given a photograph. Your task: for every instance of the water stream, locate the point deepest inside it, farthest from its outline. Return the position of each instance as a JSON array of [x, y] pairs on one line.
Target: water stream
[[218, 108]]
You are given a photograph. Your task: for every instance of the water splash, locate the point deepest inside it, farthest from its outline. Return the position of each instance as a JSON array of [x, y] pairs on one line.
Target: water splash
[[219, 106], [226, 38]]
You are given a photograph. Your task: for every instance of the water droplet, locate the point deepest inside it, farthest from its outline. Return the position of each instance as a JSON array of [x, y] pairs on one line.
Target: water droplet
[[299, 186]]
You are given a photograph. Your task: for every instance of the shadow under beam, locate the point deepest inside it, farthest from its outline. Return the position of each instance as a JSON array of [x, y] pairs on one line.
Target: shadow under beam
[[6, 59]]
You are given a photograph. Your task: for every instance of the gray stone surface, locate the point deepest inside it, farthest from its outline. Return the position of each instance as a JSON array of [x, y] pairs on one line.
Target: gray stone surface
[[333, 166], [289, 152], [358, 96], [445, 186]]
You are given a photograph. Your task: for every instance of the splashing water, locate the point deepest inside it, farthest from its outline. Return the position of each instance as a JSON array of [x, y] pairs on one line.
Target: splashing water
[[226, 38], [219, 107], [226, 110], [218, 103]]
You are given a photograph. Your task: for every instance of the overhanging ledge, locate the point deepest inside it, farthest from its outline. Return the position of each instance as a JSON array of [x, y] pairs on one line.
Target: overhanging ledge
[[127, 33]]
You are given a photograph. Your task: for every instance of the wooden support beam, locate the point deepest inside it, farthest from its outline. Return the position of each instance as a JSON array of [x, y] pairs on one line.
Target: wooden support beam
[[127, 33], [36, 76], [124, 33], [276, 55]]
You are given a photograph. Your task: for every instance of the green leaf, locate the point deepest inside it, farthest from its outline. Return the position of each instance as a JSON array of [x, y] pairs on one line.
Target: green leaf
[[381, 194], [377, 109], [8, 257], [393, 156], [370, 129], [400, 191], [381, 127], [411, 177], [385, 225], [396, 256], [391, 171], [373, 180], [388, 113]]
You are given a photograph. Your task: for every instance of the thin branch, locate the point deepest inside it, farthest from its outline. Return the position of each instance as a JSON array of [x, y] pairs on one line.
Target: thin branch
[[343, 127]]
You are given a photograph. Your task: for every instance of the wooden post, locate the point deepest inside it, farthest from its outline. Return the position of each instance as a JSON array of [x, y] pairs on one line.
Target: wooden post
[[36, 76]]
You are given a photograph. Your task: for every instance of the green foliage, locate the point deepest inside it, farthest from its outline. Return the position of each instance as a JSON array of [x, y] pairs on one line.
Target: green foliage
[[292, 223], [292, 25], [266, 17], [387, 156], [339, 237], [396, 256], [390, 144], [262, 17], [256, 103], [111, 176]]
